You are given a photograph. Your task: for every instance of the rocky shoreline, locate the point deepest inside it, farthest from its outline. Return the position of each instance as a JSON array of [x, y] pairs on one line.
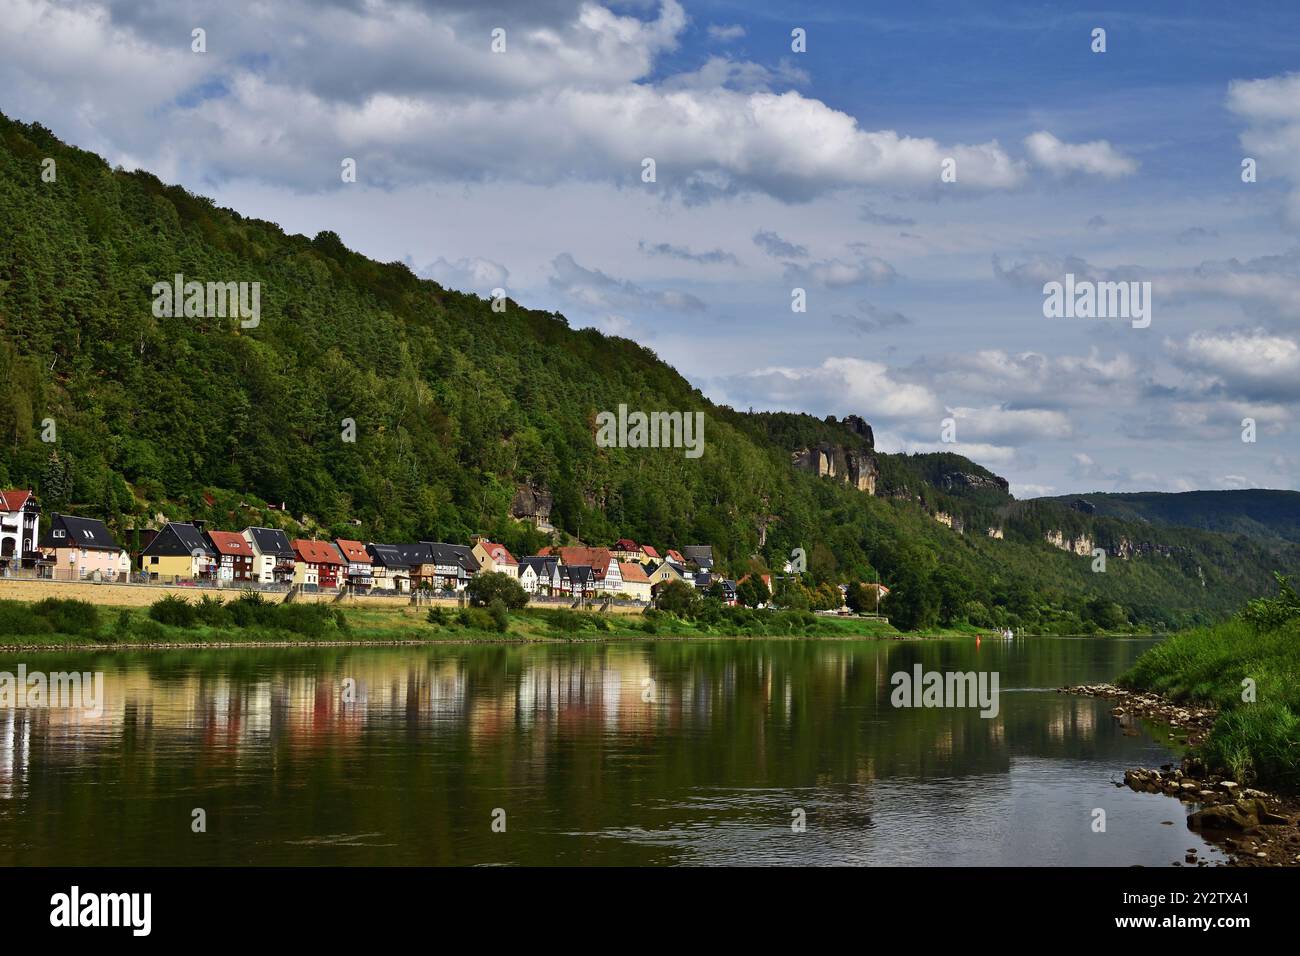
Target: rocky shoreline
[[1252, 827]]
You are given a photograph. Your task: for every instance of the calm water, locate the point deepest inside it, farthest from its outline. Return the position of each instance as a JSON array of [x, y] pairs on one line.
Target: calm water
[[735, 737]]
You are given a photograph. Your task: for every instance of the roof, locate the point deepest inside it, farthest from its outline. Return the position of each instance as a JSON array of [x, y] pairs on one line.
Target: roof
[[499, 553], [675, 557], [13, 500], [649, 552], [89, 533], [387, 555], [543, 565], [270, 541], [354, 551], [444, 553], [415, 552], [581, 573], [317, 552], [598, 559], [633, 572], [178, 539], [626, 544], [230, 542], [701, 554]]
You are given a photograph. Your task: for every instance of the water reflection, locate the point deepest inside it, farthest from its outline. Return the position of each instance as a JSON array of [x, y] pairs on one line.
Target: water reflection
[[626, 753]]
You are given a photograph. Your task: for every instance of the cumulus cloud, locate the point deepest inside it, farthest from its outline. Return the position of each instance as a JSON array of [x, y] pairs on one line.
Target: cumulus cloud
[[838, 383], [839, 273], [1250, 363], [468, 275], [1271, 110], [1098, 158]]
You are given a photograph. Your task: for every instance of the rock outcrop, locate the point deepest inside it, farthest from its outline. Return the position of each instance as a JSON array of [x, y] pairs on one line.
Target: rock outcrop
[[963, 480], [857, 468], [533, 504]]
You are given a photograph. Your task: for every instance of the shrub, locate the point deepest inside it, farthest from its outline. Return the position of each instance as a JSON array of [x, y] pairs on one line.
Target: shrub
[[309, 620], [211, 610], [483, 589], [438, 615], [67, 616], [250, 610], [500, 616], [173, 611], [18, 618]]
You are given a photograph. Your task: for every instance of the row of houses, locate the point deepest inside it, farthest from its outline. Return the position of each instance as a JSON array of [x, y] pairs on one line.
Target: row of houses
[[77, 548]]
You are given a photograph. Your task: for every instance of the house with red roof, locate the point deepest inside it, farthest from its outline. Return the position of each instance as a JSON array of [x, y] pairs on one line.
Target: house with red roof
[[20, 525], [625, 549], [360, 574], [636, 583], [317, 563], [496, 558], [605, 572], [234, 555]]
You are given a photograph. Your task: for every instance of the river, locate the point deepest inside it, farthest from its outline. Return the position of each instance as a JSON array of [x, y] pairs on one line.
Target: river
[[638, 753]]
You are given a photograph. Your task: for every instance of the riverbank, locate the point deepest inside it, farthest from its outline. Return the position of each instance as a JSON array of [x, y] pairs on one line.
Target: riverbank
[[76, 625]]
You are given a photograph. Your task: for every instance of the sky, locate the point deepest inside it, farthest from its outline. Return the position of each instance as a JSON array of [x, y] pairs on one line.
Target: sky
[[778, 165]]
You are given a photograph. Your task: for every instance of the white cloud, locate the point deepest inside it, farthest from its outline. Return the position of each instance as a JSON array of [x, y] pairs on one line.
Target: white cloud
[[1252, 362], [726, 33], [468, 275], [1098, 158]]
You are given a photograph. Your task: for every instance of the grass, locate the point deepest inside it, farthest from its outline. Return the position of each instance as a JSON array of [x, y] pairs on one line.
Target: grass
[[1255, 740], [246, 620]]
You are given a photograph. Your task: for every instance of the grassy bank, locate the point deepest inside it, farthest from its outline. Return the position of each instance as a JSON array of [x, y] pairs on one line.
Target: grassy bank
[[248, 620], [1256, 741]]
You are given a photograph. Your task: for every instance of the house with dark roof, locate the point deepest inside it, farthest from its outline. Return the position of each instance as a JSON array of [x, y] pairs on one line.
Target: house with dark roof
[[83, 548], [179, 552], [388, 569], [20, 530], [699, 556], [454, 564], [273, 559], [234, 556], [540, 574], [577, 580], [418, 557]]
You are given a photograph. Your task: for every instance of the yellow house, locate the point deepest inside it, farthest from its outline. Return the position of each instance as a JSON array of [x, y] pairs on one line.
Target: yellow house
[[662, 574], [179, 552]]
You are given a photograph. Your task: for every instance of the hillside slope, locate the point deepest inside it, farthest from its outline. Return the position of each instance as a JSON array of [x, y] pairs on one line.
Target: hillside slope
[[461, 413], [1258, 512]]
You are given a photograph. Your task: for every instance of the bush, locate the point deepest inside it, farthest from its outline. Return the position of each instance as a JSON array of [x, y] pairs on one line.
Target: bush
[[483, 589], [18, 618], [211, 610], [500, 616], [173, 611], [68, 617], [250, 610], [309, 620], [438, 615]]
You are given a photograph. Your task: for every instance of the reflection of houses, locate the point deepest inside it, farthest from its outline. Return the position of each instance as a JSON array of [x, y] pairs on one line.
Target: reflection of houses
[[20, 522], [83, 548], [273, 558], [234, 555]]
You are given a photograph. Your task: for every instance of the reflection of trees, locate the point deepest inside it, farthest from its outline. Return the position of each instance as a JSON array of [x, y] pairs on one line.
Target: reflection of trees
[[559, 735]]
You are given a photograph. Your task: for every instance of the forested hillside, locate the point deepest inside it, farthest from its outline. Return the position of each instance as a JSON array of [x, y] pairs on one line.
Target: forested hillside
[[455, 408], [1257, 512]]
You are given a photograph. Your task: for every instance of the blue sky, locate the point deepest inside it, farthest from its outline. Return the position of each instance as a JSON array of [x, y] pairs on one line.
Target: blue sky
[[778, 169]]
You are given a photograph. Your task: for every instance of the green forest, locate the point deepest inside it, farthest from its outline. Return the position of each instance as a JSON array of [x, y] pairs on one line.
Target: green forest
[[110, 411]]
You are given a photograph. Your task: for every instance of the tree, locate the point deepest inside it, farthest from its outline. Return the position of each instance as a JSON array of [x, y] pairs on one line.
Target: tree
[[913, 602], [752, 591], [490, 586], [676, 597], [860, 599]]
